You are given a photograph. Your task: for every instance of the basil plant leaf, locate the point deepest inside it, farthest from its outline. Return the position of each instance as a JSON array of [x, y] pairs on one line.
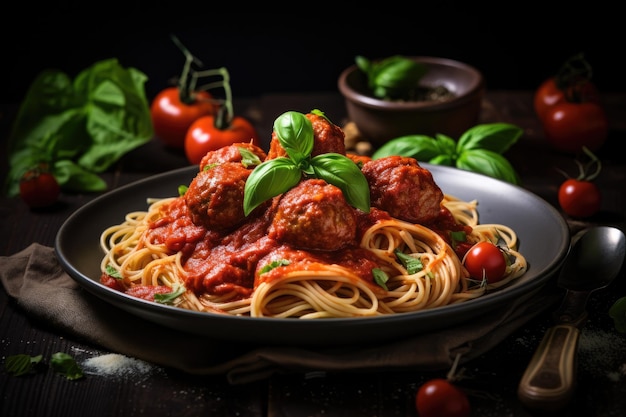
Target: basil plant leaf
[[49, 94], [343, 173], [269, 179], [496, 137], [93, 121], [364, 65], [73, 177], [488, 163], [119, 117], [295, 134], [446, 160], [397, 72], [420, 147]]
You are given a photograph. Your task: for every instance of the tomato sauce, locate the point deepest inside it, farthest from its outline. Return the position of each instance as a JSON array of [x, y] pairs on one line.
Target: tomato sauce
[[226, 262]]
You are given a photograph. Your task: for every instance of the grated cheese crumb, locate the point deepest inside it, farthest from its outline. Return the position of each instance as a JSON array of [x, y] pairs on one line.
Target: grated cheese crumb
[[114, 364]]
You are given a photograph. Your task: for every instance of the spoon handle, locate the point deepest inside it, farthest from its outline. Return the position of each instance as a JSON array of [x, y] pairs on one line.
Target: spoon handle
[[549, 380]]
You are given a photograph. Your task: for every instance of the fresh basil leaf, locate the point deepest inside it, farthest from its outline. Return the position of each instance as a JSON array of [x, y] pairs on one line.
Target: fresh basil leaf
[[488, 163], [392, 77], [112, 272], [446, 145], [363, 63], [168, 298], [73, 177], [118, 120], [248, 158], [420, 147], [271, 178], [496, 137], [318, 112], [21, 364], [396, 74], [380, 278], [295, 134], [412, 264], [446, 160], [273, 264], [66, 365], [342, 172], [50, 93], [93, 121]]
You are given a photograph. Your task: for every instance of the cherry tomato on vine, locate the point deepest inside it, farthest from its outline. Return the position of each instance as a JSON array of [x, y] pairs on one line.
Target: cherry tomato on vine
[[204, 135], [549, 94], [441, 398], [579, 198], [485, 260], [39, 188], [171, 116], [570, 126]]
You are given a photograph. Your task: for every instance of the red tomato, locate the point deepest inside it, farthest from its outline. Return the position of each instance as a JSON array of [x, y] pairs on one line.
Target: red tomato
[[549, 94], [39, 188], [440, 398], [485, 260], [204, 136], [579, 198], [570, 126], [171, 117]]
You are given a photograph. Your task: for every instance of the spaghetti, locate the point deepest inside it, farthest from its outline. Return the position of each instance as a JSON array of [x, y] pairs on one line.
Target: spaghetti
[[308, 285]]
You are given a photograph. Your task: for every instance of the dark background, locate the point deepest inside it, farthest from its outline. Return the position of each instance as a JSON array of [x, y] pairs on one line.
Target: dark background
[[516, 47]]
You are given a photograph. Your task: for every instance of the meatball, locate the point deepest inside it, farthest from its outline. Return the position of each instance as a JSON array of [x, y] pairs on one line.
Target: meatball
[[400, 186], [215, 196], [328, 138], [314, 215], [230, 153], [358, 159]]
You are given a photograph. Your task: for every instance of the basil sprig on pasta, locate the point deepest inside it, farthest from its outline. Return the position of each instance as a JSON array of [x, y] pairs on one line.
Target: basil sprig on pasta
[[278, 175]]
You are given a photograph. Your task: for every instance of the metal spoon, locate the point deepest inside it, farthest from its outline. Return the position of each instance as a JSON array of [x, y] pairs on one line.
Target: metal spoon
[[592, 263]]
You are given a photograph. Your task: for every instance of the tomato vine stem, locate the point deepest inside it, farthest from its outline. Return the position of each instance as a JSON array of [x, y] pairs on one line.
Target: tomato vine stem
[[185, 89], [225, 112], [583, 169]]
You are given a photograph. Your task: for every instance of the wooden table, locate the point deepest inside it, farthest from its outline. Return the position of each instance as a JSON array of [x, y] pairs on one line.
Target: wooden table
[[601, 387]]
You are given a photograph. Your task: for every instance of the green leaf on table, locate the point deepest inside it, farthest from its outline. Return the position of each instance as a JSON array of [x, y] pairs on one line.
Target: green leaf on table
[[65, 365], [420, 147], [21, 364], [488, 163], [479, 149], [496, 137]]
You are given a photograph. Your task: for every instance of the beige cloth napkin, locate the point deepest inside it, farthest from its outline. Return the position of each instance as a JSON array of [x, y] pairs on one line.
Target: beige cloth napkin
[[49, 296]]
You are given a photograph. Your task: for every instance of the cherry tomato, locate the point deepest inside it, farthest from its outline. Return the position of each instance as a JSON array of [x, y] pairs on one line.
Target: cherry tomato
[[441, 398], [549, 94], [485, 260], [579, 198], [570, 126], [39, 188], [172, 117], [204, 136]]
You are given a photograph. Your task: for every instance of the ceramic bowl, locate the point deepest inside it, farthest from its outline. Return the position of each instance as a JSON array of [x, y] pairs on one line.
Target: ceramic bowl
[[379, 121]]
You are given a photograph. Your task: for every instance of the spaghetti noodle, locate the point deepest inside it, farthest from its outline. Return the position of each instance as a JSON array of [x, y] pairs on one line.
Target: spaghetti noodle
[[313, 288]]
